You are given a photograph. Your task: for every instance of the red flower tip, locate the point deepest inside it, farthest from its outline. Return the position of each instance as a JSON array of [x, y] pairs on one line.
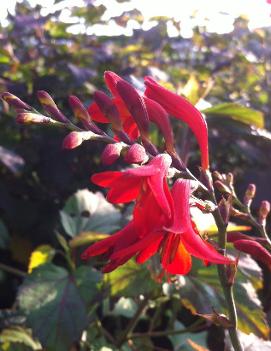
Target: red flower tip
[[14, 101], [49, 105], [111, 153], [111, 80], [135, 105], [79, 109], [256, 250], [136, 154], [108, 108], [182, 109]]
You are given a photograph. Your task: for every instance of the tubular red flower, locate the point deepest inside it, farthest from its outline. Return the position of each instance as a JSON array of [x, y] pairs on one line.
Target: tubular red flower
[[126, 186], [180, 108]]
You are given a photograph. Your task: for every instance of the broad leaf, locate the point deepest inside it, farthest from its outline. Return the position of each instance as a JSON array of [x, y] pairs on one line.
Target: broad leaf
[[131, 280], [89, 212], [55, 304], [237, 112]]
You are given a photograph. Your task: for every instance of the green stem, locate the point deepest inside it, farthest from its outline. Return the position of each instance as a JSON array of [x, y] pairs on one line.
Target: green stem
[[226, 286], [133, 322]]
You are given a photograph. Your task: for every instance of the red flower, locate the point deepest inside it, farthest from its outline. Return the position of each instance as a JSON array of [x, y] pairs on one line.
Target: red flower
[[180, 108], [147, 234], [127, 185]]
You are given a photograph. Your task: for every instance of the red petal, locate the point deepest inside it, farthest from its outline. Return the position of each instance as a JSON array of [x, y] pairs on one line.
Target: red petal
[[105, 179], [125, 189], [181, 263], [96, 114], [150, 250], [182, 109]]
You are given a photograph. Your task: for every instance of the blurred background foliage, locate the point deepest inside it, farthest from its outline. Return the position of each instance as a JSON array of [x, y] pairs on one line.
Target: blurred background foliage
[[44, 225]]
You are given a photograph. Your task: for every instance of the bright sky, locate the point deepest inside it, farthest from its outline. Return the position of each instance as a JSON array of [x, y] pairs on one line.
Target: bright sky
[[216, 15]]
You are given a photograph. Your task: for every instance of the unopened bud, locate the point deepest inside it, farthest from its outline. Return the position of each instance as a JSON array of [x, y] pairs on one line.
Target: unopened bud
[[79, 109], [224, 209], [136, 154], [33, 118], [135, 105], [108, 108], [49, 105], [82, 114], [249, 195], [255, 249], [222, 187], [264, 211], [230, 178], [74, 139], [111, 153], [217, 175], [14, 101]]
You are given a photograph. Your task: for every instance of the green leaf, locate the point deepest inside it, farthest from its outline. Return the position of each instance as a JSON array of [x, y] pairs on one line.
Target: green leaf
[[4, 236], [201, 292], [87, 282], [89, 212], [131, 280], [53, 306], [237, 112], [19, 335]]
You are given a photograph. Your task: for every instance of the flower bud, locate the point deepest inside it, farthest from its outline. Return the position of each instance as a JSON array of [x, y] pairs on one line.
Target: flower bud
[[136, 154], [79, 109], [224, 209], [108, 108], [249, 194], [49, 105], [224, 189], [111, 153], [135, 105], [74, 139], [217, 175], [230, 179], [33, 118], [256, 250], [264, 211], [14, 101], [238, 214]]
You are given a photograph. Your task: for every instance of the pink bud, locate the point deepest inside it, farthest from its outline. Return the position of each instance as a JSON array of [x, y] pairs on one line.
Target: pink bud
[[264, 211], [33, 118], [235, 236], [108, 108], [249, 194], [74, 139], [136, 154], [79, 109], [135, 105], [14, 101], [222, 187], [49, 105], [111, 153]]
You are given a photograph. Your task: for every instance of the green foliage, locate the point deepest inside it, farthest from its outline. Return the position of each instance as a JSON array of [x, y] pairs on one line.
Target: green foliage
[[54, 302], [85, 212]]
